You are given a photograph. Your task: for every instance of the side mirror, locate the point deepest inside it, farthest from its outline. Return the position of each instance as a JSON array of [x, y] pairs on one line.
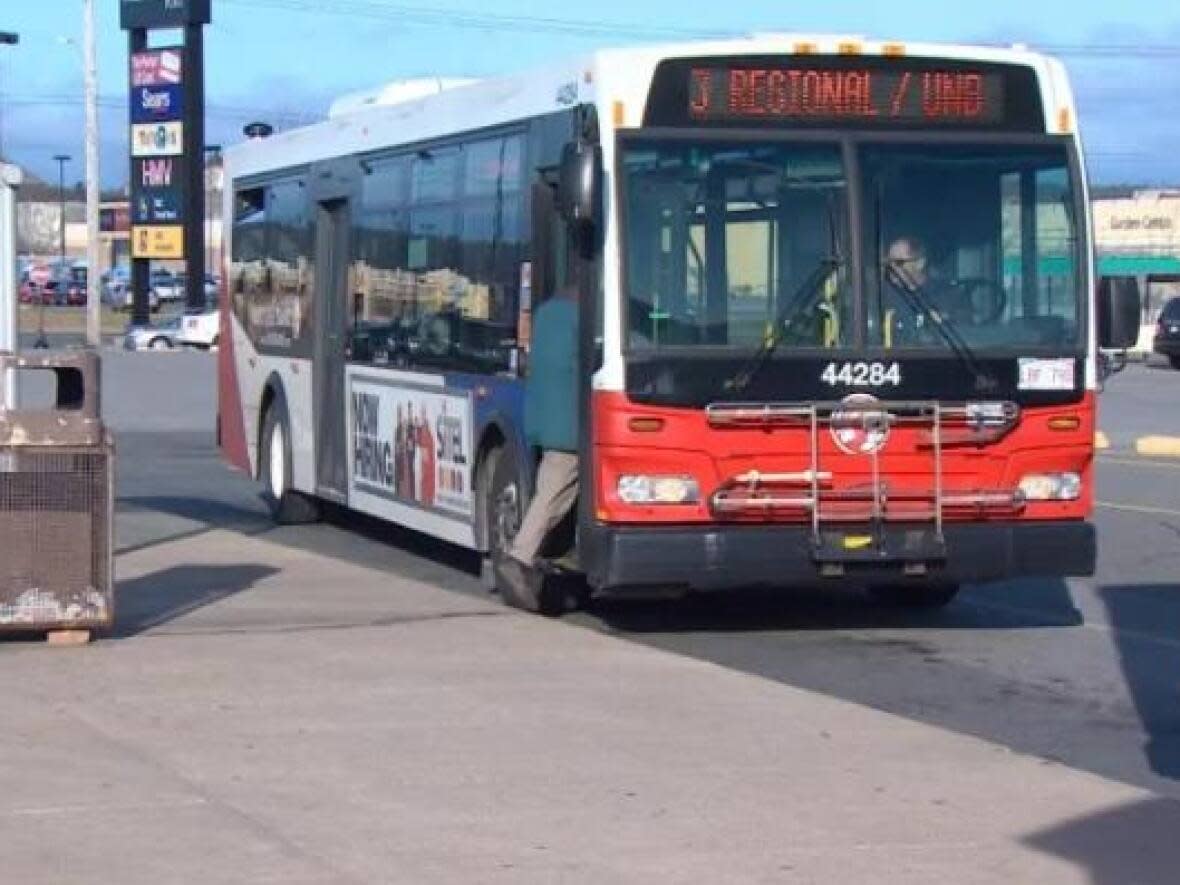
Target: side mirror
[[1119, 310], [579, 184]]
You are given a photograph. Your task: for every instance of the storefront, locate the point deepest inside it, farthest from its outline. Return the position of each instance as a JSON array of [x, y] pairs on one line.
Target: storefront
[[1138, 235]]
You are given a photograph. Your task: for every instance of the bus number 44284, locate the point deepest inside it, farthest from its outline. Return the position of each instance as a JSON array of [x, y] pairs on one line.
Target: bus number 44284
[[861, 374]]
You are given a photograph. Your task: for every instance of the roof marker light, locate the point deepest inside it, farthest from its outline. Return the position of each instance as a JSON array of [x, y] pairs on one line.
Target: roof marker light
[[849, 48], [805, 48], [1064, 120], [893, 50], [619, 113]]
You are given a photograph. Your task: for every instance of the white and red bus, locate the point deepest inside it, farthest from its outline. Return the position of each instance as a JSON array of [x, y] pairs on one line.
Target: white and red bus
[[838, 317]]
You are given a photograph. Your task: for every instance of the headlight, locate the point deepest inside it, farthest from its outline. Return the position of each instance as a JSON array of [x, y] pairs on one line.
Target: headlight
[[1051, 487], [646, 489]]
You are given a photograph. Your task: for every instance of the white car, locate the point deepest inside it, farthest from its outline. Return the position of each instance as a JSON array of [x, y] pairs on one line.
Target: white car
[[167, 286], [201, 330], [162, 337], [121, 297]]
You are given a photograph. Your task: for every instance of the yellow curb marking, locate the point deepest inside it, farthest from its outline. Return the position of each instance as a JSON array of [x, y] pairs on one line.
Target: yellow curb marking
[[1101, 441], [1166, 446]]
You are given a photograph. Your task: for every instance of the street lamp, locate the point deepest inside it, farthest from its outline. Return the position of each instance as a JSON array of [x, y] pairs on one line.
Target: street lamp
[[61, 160], [212, 155]]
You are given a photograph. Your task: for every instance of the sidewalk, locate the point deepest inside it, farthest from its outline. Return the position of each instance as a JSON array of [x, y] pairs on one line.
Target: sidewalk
[[277, 716]]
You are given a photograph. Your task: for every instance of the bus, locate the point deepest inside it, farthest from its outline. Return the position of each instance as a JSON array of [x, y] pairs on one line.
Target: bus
[[838, 320]]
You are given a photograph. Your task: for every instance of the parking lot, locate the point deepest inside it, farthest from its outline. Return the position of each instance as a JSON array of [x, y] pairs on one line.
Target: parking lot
[[342, 702]]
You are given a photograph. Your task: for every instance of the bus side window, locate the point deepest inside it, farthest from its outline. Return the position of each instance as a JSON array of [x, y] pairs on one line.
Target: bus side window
[[382, 289]]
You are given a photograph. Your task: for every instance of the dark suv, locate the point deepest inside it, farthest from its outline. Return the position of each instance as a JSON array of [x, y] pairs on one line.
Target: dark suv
[[1167, 333]]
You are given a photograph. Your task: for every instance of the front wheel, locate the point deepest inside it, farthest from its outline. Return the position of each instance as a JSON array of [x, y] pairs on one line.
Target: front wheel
[[160, 344], [914, 596], [519, 587], [287, 506]]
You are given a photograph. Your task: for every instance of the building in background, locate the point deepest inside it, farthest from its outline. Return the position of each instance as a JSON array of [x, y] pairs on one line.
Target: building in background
[[1137, 234]]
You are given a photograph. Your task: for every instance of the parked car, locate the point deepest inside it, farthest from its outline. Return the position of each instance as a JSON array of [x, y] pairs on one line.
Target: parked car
[[167, 286], [1167, 333], [126, 299], [202, 329], [53, 293], [76, 289], [29, 292], [161, 337]]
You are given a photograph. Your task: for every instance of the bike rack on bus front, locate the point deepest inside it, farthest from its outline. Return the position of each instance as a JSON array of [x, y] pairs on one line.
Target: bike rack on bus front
[[902, 524]]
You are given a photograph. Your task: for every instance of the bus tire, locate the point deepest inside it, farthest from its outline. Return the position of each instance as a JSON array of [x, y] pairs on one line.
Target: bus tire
[[287, 506], [914, 596], [505, 506]]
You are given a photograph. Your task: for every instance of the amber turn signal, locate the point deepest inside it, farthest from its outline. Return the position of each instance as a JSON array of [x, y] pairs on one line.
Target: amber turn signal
[[646, 425], [1065, 422]]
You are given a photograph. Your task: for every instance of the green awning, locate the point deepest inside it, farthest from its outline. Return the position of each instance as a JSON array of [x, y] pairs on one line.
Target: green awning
[[1108, 265], [1138, 265]]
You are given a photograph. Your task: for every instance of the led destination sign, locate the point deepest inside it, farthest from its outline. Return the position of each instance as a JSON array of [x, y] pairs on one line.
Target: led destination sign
[[919, 96]]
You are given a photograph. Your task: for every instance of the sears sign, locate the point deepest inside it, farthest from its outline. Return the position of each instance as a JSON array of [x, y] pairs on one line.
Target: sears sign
[[155, 104]]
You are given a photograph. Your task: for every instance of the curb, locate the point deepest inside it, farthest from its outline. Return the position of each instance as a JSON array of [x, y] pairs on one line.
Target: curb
[[1158, 446]]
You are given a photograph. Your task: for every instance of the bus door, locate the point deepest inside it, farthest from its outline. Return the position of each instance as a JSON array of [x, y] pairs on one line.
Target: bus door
[[332, 297]]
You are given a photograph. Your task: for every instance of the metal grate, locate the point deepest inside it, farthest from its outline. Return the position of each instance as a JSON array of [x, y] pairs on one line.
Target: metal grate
[[55, 512]]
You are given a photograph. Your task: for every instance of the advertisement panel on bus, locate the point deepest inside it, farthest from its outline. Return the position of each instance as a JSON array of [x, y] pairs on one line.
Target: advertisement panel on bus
[[410, 445]]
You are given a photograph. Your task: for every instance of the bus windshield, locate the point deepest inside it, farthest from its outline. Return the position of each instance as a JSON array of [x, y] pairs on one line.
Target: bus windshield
[[718, 239], [721, 238]]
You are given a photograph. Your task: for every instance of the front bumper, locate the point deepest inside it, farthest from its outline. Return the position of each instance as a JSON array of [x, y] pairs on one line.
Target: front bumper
[[717, 557]]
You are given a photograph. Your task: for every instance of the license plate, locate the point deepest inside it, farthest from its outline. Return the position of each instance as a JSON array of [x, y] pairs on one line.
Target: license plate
[[1042, 374]]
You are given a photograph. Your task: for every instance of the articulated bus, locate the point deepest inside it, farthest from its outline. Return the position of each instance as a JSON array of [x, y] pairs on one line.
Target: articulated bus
[[838, 320]]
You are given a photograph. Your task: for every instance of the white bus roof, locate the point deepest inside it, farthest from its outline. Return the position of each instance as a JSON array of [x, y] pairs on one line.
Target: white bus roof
[[405, 113]]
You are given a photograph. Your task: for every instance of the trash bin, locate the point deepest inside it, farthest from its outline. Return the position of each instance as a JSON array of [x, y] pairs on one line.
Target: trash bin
[[56, 502]]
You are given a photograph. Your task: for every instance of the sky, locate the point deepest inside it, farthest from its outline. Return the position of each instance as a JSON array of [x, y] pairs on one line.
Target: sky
[[283, 61]]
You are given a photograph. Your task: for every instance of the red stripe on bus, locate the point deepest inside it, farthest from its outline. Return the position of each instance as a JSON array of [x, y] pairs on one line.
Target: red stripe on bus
[[231, 425]]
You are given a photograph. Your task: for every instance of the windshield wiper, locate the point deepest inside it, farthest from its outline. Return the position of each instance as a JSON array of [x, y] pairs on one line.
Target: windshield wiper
[[787, 316], [919, 302]]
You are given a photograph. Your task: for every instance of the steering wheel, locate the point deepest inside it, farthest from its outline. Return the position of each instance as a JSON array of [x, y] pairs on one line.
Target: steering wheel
[[984, 300]]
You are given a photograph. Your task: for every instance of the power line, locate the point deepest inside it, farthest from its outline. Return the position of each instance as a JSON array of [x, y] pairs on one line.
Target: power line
[[419, 15], [114, 102]]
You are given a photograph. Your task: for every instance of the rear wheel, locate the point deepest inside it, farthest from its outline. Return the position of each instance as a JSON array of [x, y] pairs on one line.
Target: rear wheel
[[287, 506], [914, 595], [160, 344]]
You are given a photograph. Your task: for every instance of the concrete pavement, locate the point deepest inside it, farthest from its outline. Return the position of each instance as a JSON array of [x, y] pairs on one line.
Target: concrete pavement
[[270, 714], [317, 704]]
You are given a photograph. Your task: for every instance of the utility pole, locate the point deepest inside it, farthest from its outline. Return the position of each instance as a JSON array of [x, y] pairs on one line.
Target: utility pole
[[7, 38], [93, 277], [42, 342], [212, 164]]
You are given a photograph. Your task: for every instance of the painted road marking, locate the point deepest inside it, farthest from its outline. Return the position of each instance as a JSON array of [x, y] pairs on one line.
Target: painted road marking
[[1159, 446], [1138, 462], [1136, 508], [1101, 441]]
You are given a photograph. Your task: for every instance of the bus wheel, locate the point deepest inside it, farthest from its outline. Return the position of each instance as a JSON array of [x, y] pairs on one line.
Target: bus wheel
[[527, 589], [914, 595], [287, 506]]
